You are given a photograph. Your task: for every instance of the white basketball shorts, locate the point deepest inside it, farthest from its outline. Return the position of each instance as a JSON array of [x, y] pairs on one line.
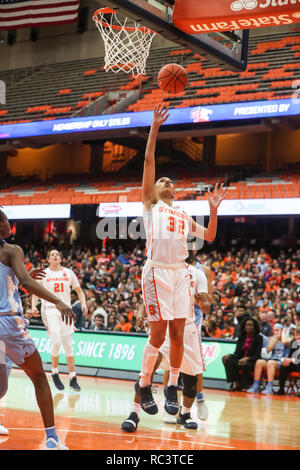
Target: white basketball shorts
[[192, 361], [166, 293], [55, 324]]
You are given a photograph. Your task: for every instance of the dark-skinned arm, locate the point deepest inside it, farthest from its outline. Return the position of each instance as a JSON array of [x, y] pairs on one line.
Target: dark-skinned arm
[[16, 258]]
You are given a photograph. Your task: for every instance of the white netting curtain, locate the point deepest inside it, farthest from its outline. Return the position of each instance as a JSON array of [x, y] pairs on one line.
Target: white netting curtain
[[127, 47]]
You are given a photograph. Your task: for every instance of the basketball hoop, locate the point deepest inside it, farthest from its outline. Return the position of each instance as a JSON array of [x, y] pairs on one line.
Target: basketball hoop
[[126, 47]]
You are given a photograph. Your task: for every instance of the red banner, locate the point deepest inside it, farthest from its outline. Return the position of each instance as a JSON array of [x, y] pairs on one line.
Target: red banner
[[205, 16]]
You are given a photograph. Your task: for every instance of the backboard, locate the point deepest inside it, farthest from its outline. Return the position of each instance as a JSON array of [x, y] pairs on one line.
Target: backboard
[[229, 49]]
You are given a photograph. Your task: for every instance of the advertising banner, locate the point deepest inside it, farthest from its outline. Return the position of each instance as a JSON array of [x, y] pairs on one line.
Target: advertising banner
[[38, 211], [192, 16], [193, 115], [234, 207], [124, 352]]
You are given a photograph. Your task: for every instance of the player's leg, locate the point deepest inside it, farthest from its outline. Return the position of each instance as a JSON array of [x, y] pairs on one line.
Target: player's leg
[[5, 369], [131, 423], [260, 366], [202, 410], [143, 386], [189, 394], [272, 368], [53, 326], [67, 341], [33, 368], [176, 333], [3, 390]]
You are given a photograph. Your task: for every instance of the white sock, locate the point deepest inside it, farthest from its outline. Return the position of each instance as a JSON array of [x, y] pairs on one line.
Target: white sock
[[173, 378], [72, 374], [136, 408], [185, 410], [150, 354], [54, 371]]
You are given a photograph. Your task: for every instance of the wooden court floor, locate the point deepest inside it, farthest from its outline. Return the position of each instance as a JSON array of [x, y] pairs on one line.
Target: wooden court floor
[[91, 419]]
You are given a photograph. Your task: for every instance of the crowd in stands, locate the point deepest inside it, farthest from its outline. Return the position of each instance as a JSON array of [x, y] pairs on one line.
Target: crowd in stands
[[245, 282], [256, 302]]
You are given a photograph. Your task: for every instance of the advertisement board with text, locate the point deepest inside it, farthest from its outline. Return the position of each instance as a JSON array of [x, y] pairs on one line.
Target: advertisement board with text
[[124, 352]]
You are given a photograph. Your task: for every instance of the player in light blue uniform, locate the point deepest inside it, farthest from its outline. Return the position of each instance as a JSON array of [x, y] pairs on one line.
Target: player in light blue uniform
[[15, 341]]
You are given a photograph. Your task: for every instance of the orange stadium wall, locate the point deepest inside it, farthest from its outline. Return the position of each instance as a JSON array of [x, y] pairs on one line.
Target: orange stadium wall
[[270, 150], [46, 162], [240, 149], [286, 144]]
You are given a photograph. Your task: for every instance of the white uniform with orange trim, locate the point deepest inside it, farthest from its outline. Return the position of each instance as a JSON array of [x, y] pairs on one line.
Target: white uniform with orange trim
[[165, 278], [59, 283], [193, 359]]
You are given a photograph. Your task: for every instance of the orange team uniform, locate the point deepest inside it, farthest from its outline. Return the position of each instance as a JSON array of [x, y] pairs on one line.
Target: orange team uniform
[[126, 327], [228, 332], [217, 334]]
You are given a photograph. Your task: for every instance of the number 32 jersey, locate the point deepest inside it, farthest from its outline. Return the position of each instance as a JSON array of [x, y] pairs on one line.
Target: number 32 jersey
[[59, 283], [166, 229]]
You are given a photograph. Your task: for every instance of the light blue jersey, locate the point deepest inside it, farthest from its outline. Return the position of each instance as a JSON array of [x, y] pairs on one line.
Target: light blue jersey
[[197, 310], [10, 301], [15, 342]]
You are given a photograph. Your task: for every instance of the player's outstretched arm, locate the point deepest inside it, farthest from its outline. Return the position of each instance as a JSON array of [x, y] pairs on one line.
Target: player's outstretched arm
[[16, 258], [34, 301], [148, 193], [207, 272], [82, 300], [209, 234]]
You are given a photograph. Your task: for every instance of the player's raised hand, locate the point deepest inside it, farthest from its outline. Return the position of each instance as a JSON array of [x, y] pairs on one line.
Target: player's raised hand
[[217, 196], [67, 313], [85, 310], [37, 273], [161, 114]]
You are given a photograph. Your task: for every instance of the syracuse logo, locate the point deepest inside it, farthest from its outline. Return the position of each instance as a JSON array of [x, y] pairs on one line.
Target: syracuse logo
[[201, 114]]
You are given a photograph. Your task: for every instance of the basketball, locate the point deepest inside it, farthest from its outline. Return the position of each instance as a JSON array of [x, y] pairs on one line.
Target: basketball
[[172, 78]]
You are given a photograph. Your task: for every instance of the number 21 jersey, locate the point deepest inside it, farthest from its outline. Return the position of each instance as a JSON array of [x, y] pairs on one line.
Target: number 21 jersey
[[59, 283]]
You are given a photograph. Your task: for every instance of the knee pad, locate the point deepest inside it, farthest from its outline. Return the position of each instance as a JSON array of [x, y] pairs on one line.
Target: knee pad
[[3, 380], [189, 385], [68, 345]]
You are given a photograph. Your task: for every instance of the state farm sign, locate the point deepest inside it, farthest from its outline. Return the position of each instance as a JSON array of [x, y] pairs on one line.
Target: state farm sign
[[193, 16]]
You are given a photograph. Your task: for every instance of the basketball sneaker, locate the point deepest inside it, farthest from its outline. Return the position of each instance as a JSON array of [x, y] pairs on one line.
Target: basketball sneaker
[[52, 444], [74, 384], [186, 421], [3, 430], [131, 423], [254, 389], [202, 410], [268, 390], [146, 399], [57, 382], [169, 419], [171, 403]]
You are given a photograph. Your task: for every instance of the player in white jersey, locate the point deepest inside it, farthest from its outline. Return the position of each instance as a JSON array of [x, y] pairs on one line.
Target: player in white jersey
[[60, 281], [164, 278], [192, 362]]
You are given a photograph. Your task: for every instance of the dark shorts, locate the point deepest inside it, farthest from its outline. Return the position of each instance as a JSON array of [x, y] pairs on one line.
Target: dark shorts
[[15, 340]]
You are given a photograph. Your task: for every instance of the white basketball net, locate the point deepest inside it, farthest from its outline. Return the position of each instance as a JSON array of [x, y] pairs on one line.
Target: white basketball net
[[126, 47]]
